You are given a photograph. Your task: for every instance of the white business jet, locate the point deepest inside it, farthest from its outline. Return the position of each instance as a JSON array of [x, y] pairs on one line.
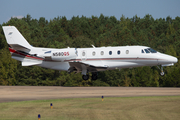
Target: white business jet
[[84, 60]]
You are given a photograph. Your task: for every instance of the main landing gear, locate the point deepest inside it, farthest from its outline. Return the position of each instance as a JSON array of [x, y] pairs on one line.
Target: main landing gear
[[85, 77], [162, 72], [93, 77]]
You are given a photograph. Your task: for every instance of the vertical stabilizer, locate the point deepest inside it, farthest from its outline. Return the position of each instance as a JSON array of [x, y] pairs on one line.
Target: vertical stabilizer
[[19, 48], [15, 39]]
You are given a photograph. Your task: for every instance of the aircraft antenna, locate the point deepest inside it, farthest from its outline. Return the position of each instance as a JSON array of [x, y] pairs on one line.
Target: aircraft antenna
[[93, 46]]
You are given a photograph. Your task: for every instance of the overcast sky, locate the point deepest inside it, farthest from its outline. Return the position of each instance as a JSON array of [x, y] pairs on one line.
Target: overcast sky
[[69, 8]]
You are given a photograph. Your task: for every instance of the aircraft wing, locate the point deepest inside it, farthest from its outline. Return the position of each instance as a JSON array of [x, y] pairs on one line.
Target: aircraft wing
[[91, 66]]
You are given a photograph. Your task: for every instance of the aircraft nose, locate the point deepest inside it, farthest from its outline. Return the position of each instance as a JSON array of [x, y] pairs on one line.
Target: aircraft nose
[[167, 59], [173, 59]]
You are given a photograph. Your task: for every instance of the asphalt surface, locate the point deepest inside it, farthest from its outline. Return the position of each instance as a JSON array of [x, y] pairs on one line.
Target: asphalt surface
[[24, 93]]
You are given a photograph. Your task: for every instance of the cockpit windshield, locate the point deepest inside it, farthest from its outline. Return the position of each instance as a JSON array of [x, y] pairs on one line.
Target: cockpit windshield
[[147, 51], [152, 50]]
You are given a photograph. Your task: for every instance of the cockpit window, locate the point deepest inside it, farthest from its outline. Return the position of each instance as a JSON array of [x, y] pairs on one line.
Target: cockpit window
[[152, 50], [146, 51], [142, 51]]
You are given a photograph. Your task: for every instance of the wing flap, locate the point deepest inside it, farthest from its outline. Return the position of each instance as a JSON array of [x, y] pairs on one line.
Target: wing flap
[[31, 63], [91, 67]]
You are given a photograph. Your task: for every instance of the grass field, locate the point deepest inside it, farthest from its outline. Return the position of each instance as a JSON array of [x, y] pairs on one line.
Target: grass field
[[121, 108]]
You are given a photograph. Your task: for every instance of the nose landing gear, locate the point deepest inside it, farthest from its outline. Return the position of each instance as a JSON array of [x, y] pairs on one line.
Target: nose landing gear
[[162, 72]]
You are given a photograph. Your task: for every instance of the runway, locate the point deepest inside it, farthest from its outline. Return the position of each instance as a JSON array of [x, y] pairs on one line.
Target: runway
[[24, 93]]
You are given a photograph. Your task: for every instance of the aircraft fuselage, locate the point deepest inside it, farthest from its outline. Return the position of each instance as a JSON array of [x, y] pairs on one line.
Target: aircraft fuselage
[[84, 60]]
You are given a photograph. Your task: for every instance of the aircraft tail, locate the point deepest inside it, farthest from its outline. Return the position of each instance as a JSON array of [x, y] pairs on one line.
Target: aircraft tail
[[15, 39], [19, 47]]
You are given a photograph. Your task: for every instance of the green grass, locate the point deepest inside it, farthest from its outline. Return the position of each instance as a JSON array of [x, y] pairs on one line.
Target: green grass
[[121, 108]]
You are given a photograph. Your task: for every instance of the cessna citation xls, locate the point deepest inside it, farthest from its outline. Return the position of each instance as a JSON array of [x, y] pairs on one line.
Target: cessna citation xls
[[84, 60]]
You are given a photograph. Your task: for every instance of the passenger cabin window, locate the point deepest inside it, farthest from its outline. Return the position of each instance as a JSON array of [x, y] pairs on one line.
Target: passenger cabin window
[[127, 51], [146, 51], [93, 53], [118, 52], [102, 52], [110, 52], [142, 51], [83, 53]]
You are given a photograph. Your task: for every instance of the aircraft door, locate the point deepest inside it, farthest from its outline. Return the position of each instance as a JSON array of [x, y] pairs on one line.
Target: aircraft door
[[83, 55]]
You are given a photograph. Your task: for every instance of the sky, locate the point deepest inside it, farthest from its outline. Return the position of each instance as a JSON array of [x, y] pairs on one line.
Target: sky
[[69, 8]]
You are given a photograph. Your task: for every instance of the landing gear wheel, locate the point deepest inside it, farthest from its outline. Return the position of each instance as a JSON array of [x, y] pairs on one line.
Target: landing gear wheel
[[94, 77], [162, 73], [85, 77]]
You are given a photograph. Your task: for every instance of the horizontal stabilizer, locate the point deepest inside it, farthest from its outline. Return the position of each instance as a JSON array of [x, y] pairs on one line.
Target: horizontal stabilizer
[[19, 47], [31, 63]]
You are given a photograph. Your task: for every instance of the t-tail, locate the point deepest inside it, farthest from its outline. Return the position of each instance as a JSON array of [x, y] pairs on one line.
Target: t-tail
[[19, 48]]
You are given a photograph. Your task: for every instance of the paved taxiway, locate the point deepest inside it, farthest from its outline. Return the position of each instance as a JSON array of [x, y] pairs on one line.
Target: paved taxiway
[[23, 93]]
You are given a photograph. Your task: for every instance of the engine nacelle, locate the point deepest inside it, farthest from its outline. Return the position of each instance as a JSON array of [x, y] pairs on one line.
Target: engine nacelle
[[63, 54]]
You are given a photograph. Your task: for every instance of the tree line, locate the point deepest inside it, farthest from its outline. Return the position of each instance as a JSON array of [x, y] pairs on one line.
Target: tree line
[[161, 34]]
